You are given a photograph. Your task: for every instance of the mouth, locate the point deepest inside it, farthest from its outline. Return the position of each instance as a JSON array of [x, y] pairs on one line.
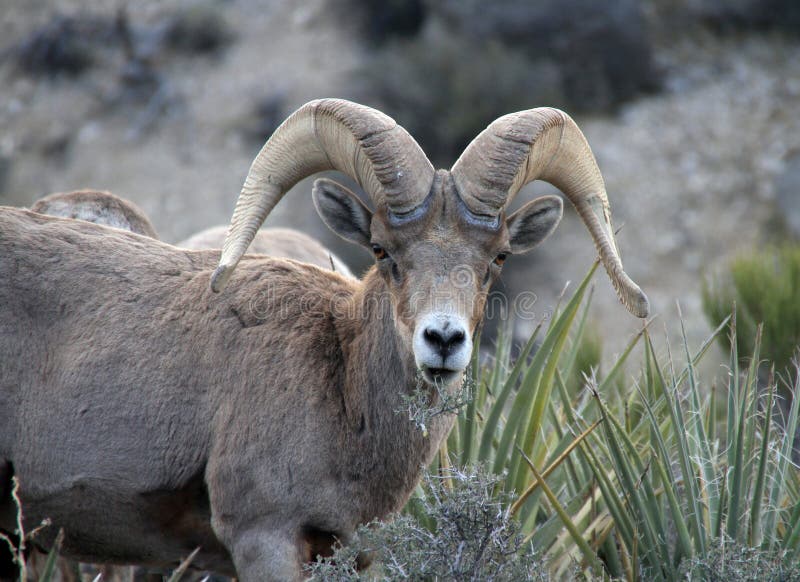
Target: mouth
[[439, 376]]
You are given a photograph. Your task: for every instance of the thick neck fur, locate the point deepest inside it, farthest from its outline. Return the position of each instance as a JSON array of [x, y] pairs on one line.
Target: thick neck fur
[[390, 451]]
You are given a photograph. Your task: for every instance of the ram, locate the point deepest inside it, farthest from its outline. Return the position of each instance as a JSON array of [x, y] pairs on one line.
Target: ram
[[99, 207], [103, 207], [151, 404], [275, 242]]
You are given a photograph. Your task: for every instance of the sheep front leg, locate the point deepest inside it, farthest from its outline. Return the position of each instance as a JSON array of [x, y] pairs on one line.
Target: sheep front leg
[[266, 555]]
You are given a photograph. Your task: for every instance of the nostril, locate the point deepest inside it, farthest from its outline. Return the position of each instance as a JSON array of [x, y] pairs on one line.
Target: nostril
[[434, 337], [444, 340]]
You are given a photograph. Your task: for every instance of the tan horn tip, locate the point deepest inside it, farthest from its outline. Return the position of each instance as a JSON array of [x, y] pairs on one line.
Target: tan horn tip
[[636, 302], [219, 279]]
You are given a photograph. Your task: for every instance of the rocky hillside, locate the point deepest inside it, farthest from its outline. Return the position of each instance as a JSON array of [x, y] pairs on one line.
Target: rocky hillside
[[167, 102]]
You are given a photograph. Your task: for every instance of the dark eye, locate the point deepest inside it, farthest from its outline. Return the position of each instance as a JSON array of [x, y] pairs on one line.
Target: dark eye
[[500, 259], [379, 252]]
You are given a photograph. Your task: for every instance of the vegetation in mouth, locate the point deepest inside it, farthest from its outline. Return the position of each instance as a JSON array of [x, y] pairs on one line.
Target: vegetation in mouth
[[429, 400]]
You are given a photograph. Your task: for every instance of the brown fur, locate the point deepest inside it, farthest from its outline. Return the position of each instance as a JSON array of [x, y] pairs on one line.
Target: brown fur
[[146, 415], [275, 242]]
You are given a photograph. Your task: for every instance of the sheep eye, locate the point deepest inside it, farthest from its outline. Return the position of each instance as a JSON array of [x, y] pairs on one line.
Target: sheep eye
[[500, 259], [379, 252]]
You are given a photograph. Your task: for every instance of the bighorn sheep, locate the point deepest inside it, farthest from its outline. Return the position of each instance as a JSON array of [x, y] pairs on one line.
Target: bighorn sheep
[[275, 242], [148, 416], [97, 206], [103, 207]]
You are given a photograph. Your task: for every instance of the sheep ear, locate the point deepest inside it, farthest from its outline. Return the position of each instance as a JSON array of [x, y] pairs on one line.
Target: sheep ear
[[342, 211], [533, 223]]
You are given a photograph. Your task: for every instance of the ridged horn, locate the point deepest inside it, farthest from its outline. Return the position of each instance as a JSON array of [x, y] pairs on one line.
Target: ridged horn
[[544, 144], [327, 134]]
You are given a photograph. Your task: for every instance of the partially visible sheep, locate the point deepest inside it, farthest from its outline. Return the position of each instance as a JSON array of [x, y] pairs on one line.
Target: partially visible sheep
[[100, 207], [97, 206], [276, 242]]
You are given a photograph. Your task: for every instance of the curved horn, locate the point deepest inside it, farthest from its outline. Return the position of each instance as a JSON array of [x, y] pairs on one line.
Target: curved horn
[[327, 134], [544, 144]]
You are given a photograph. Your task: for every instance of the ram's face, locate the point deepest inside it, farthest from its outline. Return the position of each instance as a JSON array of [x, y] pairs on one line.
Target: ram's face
[[438, 264], [438, 269]]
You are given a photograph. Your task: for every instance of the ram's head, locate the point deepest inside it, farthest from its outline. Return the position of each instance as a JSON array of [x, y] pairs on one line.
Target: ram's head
[[439, 237]]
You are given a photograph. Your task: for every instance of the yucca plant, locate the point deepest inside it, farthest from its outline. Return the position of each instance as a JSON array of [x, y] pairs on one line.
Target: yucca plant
[[762, 287], [684, 488], [655, 479]]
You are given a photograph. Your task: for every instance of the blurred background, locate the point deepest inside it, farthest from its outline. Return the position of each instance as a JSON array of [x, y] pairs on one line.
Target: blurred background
[[692, 108]]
